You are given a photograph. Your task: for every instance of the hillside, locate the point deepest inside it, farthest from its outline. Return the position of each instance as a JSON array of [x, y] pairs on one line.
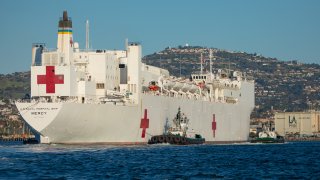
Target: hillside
[[12, 86], [15, 85]]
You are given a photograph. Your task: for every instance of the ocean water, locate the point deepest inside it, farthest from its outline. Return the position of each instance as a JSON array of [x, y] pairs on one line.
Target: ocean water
[[296, 160]]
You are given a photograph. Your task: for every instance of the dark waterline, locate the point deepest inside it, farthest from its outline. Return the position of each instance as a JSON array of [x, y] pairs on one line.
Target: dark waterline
[[296, 160]]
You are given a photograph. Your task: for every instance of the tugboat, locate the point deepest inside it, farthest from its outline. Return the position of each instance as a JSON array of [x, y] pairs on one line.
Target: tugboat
[[268, 136], [177, 134]]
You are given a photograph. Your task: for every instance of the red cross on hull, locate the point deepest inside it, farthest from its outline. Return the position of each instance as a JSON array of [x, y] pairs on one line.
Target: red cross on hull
[[214, 125], [144, 124], [50, 79]]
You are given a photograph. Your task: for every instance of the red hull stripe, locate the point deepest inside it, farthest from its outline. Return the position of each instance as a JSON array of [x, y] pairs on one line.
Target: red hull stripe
[[214, 125], [144, 124]]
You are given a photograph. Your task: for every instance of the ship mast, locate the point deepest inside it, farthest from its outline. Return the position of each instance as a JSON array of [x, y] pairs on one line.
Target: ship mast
[[177, 119], [126, 44]]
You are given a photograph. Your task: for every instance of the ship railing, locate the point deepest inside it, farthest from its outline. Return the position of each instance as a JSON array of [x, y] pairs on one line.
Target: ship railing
[[50, 50], [178, 95], [47, 100], [98, 50], [88, 100], [32, 100], [23, 101], [69, 100], [192, 96], [121, 102]]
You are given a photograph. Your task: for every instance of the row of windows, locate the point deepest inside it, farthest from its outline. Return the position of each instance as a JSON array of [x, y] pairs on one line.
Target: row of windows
[[107, 65], [100, 86], [112, 77], [111, 67], [84, 57], [199, 77], [132, 88]]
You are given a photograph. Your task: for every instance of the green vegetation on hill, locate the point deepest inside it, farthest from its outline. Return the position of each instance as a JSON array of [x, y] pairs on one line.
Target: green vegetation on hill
[[15, 85]]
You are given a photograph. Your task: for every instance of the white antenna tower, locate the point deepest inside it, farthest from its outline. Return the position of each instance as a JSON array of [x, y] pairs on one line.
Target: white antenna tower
[[87, 35], [126, 43], [210, 57]]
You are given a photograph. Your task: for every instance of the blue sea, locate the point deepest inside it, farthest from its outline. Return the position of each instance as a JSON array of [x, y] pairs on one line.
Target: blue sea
[[294, 160]]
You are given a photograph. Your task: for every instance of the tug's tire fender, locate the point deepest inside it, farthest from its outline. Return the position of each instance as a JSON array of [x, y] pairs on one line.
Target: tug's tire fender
[[183, 140], [177, 140], [167, 139], [161, 139], [153, 140]]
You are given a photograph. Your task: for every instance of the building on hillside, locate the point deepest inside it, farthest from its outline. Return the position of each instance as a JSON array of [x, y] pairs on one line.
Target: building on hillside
[[298, 123]]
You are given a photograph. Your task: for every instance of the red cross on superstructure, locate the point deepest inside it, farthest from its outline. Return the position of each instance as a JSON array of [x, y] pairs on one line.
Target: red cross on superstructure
[[214, 125], [50, 79], [144, 124]]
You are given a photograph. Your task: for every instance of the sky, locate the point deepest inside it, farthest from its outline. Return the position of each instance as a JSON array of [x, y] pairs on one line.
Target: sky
[[284, 29]]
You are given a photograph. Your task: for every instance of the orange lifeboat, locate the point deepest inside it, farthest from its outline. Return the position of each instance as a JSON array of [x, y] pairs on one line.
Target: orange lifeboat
[[153, 86]]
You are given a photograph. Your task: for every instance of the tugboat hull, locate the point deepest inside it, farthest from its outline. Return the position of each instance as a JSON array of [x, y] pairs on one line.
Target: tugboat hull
[[268, 140], [176, 140]]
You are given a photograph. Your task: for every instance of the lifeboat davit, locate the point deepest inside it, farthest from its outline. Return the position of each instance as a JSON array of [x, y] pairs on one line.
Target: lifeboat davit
[[168, 84], [177, 86]]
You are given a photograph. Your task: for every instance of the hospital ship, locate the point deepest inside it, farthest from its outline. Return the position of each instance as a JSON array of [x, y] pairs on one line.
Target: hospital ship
[[111, 97]]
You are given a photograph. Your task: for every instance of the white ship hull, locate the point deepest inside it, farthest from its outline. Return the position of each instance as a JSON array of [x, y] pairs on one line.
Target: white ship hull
[[120, 124]]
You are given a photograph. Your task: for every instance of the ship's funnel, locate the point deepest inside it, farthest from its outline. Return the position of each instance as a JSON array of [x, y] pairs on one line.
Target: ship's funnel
[[65, 16], [65, 21], [65, 39]]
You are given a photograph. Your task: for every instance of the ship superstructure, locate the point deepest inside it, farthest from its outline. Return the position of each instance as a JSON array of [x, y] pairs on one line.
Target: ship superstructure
[[110, 96]]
